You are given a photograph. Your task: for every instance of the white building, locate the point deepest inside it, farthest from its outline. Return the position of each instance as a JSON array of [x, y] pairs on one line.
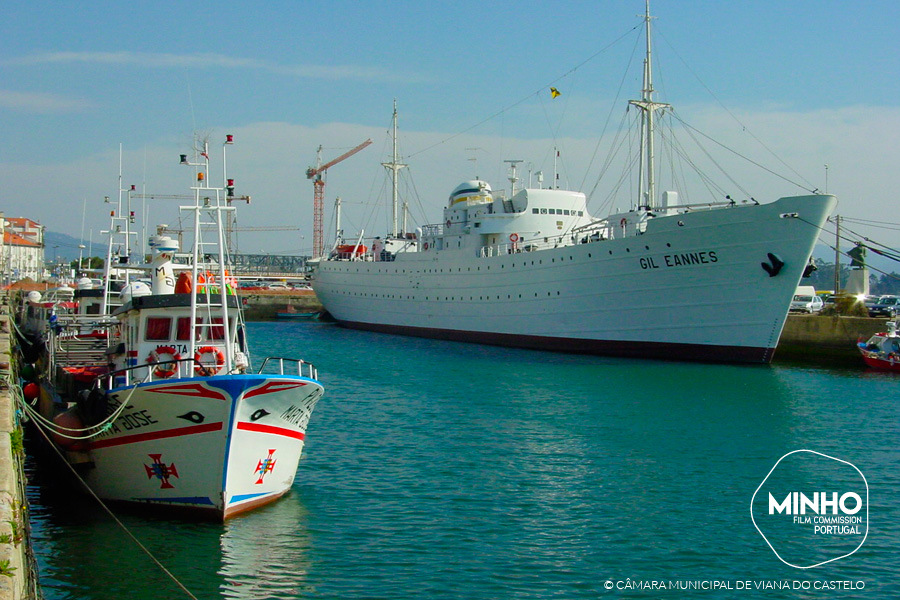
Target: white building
[[23, 249]]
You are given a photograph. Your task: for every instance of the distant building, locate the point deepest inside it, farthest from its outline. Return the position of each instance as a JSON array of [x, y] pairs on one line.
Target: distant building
[[23, 249]]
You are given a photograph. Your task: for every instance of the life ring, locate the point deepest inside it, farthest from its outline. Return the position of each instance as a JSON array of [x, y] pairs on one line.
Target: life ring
[[164, 371], [514, 237], [448, 222], [205, 370], [426, 246], [623, 222]]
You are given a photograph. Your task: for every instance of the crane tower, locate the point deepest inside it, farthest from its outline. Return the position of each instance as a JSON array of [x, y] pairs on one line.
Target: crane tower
[[317, 174]]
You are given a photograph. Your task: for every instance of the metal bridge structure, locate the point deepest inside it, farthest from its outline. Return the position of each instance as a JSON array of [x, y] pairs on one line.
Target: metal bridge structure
[[269, 265]]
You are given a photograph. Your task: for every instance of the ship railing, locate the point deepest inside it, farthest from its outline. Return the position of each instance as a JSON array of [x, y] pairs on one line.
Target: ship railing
[[78, 340], [435, 229], [161, 370], [526, 245], [278, 365], [155, 371]]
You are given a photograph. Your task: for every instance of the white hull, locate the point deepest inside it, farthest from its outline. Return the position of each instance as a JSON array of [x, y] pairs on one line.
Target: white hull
[[220, 445], [691, 286]]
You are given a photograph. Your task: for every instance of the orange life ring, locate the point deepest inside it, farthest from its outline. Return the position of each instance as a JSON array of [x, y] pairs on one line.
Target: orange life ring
[[623, 222], [205, 370], [514, 237], [426, 245], [167, 370]]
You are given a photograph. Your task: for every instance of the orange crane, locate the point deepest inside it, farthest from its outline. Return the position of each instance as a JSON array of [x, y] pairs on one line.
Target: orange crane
[[317, 174]]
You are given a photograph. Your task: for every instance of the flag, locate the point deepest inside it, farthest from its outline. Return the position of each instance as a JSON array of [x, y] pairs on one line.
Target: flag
[[554, 92]]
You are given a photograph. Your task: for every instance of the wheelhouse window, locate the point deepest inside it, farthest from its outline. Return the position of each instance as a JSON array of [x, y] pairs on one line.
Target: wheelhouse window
[[183, 328], [159, 329], [217, 330]]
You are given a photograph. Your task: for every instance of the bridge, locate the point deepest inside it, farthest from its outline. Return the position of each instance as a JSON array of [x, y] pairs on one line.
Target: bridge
[[269, 265]]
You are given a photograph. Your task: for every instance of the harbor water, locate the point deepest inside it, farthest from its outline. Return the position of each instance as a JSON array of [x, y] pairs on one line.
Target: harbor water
[[444, 470]]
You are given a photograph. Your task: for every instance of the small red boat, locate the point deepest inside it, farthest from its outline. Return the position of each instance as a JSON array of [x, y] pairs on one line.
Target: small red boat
[[882, 350]]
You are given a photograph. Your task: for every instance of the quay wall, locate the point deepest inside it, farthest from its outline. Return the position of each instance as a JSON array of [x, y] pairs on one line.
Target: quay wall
[[262, 305], [825, 339], [17, 576]]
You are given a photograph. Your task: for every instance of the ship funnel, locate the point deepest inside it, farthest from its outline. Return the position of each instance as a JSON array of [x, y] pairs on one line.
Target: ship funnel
[[162, 274]]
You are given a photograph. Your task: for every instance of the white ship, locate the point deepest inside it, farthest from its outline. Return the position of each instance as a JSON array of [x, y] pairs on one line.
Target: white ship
[[709, 282]]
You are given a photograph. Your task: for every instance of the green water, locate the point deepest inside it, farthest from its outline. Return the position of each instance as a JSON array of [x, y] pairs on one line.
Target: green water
[[445, 470]]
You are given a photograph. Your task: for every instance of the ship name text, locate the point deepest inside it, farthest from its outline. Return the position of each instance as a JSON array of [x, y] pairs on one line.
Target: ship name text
[[706, 257]]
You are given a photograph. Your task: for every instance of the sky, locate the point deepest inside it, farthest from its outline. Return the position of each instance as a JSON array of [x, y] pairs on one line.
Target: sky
[[792, 86]]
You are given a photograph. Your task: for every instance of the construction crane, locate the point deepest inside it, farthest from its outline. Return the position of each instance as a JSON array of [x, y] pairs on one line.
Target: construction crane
[[317, 174]]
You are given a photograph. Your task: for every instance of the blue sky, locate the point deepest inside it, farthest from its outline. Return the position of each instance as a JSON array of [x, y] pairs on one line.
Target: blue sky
[[794, 85]]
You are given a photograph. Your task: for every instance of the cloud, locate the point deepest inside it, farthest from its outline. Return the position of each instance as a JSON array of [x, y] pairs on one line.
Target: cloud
[[37, 102], [209, 60]]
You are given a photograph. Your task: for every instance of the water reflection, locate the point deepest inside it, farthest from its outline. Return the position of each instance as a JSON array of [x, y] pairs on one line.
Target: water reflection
[[265, 553]]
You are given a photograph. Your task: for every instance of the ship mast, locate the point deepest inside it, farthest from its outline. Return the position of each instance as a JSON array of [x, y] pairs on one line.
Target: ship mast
[[394, 167], [647, 184]]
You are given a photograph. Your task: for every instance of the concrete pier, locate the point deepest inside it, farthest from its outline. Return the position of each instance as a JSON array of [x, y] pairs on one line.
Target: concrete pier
[[827, 340], [262, 305], [17, 576]]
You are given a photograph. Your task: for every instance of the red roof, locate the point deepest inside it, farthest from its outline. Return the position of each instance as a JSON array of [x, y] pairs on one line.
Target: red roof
[[22, 222], [14, 239]]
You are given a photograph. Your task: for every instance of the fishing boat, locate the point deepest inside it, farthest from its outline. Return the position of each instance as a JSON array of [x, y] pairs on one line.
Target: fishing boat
[[533, 268], [164, 411], [882, 350], [290, 312]]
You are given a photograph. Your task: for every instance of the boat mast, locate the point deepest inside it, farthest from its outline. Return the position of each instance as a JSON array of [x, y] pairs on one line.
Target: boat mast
[[394, 167], [647, 183]]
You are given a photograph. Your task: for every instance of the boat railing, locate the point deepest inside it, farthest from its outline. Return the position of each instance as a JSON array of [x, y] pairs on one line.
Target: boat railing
[[155, 371], [526, 245], [180, 368], [278, 365], [432, 230]]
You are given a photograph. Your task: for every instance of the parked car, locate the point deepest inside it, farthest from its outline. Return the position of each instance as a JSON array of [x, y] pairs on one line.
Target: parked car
[[806, 303], [885, 306]]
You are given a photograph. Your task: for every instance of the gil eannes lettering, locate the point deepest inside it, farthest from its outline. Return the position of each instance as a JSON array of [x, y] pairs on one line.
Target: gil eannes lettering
[[682, 259]]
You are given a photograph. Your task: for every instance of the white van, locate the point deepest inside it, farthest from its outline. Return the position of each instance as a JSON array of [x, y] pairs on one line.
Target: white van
[[805, 300]]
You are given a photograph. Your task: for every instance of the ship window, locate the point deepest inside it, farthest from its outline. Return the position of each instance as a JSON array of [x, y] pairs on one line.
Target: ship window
[[535, 211], [217, 331], [580, 214], [543, 211], [183, 328], [158, 329], [566, 212]]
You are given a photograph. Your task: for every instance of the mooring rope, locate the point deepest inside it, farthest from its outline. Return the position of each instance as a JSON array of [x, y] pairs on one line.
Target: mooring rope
[[15, 390]]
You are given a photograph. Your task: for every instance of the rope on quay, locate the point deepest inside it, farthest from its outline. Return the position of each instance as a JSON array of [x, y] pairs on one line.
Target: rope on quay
[[15, 390]]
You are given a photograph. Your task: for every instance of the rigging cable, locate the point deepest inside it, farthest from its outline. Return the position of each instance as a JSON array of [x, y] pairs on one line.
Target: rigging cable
[[540, 90], [738, 121]]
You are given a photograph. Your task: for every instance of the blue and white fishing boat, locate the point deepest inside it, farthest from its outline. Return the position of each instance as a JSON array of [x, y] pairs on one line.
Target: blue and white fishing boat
[[169, 413]]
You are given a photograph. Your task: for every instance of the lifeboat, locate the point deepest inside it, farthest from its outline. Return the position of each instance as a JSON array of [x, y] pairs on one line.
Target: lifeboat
[[354, 249]]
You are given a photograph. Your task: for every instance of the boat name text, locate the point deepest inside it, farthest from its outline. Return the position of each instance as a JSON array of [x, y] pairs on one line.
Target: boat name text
[[705, 257]]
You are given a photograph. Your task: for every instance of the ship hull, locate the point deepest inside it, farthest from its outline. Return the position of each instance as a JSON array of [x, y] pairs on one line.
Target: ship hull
[[710, 285], [217, 446]]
